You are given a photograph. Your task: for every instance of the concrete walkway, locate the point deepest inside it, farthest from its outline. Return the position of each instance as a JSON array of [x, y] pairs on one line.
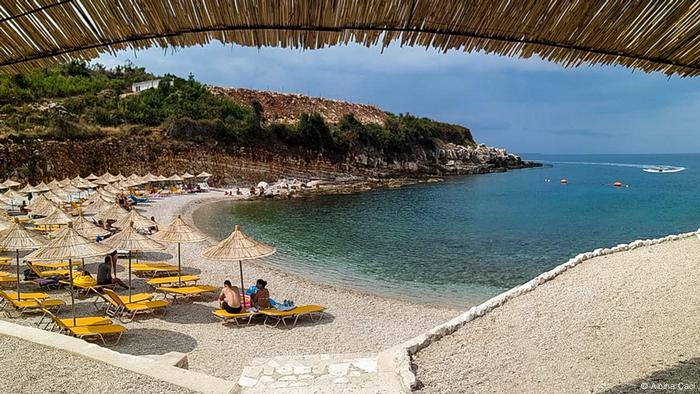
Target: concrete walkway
[[321, 373]]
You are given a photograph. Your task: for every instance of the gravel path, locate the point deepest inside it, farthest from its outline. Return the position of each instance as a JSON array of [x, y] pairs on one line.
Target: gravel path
[[617, 323], [30, 368], [356, 322]]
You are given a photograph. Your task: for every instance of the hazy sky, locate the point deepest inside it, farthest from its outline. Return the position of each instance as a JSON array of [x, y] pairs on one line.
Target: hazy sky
[[526, 106]]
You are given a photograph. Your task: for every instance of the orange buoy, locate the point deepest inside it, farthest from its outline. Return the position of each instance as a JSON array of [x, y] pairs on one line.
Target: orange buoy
[[564, 181], [617, 184]]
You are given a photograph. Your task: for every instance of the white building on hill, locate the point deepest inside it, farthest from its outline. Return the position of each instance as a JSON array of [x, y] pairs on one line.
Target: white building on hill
[[143, 85]]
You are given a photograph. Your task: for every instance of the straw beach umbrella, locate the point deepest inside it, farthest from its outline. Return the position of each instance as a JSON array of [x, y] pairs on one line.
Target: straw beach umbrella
[[204, 175], [134, 219], [69, 245], [91, 177], [57, 217], [131, 240], [239, 247], [88, 229], [114, 212], [10, 183], [18, 238], [179, 232], [98, 206]]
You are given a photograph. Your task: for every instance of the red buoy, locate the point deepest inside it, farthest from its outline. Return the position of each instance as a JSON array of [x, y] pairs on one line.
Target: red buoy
[[617, 184]]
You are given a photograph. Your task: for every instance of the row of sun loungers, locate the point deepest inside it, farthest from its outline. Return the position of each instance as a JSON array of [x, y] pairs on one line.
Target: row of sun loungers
[[273, 317]]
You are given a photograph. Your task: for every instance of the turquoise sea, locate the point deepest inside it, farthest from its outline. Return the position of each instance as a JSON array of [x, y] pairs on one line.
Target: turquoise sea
[[470, 237]]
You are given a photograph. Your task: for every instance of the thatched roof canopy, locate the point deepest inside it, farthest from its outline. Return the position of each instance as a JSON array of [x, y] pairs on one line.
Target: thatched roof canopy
[[647, 35]]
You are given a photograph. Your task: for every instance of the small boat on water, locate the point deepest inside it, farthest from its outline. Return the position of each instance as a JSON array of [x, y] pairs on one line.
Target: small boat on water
[[662, 169]]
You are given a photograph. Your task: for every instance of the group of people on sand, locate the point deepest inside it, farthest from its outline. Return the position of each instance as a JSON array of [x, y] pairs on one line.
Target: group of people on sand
[[230, 297]]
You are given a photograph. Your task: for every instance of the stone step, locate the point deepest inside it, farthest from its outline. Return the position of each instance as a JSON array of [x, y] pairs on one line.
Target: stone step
[[318, 373]]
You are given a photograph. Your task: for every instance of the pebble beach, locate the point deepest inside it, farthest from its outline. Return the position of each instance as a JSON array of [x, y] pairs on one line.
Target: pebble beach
[[616, 323], [355, 322]]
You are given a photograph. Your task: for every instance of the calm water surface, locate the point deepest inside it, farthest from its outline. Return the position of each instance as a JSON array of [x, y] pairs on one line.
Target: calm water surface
[[470, 237]]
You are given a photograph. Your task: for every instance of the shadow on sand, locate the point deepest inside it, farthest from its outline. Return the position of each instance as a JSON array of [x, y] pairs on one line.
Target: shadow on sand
[[141, 341], [684, 376]]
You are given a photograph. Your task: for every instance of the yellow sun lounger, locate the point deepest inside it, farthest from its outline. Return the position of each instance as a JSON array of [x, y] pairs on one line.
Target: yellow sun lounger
[[154, 270], [226, 317], [282, 316], [120, 309], [55, 265], [28, 306], [79, 321], [47, 273], [7, 280], [89, 331], [186, 291], [27, 296], [173, 280], [100, 302]]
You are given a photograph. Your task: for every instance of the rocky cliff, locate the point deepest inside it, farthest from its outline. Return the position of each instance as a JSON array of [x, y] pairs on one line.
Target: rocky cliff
[[36, 160]]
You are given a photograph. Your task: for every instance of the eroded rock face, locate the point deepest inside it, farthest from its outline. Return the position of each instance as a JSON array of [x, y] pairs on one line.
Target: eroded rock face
[[445, 159], [36, 160]]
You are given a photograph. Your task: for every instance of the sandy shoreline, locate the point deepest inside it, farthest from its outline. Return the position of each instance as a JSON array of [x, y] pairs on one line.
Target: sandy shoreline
[[357, 323]]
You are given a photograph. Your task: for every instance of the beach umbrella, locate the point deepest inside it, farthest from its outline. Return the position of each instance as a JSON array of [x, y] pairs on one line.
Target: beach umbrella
[[57, 217], [65, 182], [10, 183], [114, 212], [91, 177], [238, 247], [179, 232], [85, 184], [3, 187], [134, 219], [161, 178], [42, 206], [7, 201], [100, 205], [174, 178], [69, 245], [111, 189], [204, 175], [150, 178], [101, 182], [28, 188], [88, 229], [120, 177], [14, 197], [42, 187], [107, 195], [187, 175], [53, 184], [18, 238], [53, 197], [131, 240]]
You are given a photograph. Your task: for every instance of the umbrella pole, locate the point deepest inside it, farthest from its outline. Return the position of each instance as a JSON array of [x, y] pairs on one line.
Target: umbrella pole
[[129, 276], [179, 268], [18, 298], [72, 296], [240, 267]]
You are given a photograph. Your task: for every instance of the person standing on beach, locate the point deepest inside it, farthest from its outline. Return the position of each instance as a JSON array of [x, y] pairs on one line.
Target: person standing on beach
[[230, 298]]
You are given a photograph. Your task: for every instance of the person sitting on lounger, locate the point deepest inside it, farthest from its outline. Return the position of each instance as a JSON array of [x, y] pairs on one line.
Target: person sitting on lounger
[[230, 298], [104, 274], [261, 298], [23, 209]]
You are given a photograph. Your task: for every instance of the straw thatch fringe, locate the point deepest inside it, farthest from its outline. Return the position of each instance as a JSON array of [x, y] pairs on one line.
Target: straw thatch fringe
[[661, 35]]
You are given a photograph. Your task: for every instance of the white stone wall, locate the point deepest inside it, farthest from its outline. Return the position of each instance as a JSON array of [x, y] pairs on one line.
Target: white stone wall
[[398, 358]]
